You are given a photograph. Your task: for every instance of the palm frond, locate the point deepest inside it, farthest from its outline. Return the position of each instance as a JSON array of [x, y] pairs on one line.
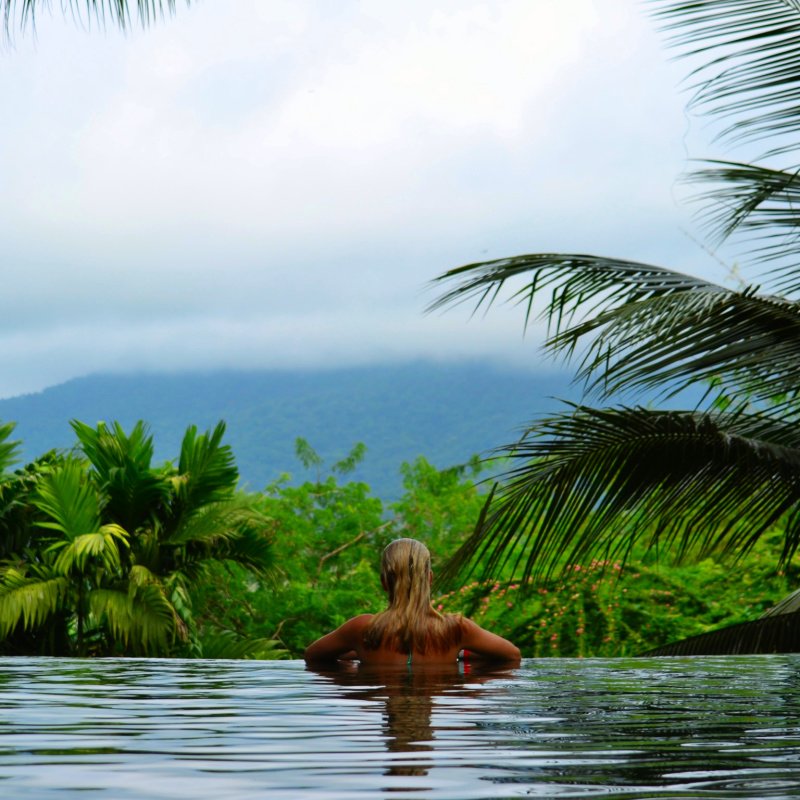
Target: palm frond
[[213, 523], [142, 619], [121, 465], [576, 283], [227, 644], [751, 69], [598, 482], [139, 575], [29, 599], [117, 12], [101, 548], [68, 501], [775, 634], [17, 514], [207, 469], [748, 342], [762, 205], [9, 451], [253, 549], [646, 326], [233, 530]]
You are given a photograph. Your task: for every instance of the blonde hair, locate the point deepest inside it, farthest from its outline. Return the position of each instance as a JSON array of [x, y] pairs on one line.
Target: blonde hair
[[411, 624]]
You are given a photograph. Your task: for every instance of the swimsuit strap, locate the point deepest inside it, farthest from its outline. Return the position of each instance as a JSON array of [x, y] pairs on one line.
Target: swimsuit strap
[[408, 663]]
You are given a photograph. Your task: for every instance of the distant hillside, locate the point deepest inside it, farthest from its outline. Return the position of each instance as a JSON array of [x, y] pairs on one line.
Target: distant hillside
[[446, 412]]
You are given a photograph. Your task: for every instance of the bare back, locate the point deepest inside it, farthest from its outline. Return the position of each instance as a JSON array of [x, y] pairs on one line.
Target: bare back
[[349, 640]]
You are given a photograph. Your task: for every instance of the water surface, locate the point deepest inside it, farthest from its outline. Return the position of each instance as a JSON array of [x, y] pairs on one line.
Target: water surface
[[655, 728]]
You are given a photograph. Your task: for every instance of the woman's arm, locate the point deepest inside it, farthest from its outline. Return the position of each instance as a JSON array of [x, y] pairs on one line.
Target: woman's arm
[[341, 642], [486, 644]]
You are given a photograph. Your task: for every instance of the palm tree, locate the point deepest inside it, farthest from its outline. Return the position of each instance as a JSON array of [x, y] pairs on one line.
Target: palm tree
[[181, 519], [601, 481], [102, 554]]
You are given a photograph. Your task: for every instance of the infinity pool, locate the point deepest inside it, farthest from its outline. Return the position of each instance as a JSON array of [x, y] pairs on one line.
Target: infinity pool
[[657, 728]]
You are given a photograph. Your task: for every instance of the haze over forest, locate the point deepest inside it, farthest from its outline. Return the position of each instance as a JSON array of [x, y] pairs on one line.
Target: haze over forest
[[446, 412]]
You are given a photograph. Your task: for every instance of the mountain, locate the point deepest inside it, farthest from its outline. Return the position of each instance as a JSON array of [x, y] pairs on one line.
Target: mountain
[[444, 411]]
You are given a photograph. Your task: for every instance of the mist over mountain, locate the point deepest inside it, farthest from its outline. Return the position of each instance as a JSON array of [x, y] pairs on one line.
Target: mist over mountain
[[446, 412]]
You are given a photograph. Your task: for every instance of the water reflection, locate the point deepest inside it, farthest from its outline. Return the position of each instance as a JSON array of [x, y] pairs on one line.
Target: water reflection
[[408, 698], [126, 729]]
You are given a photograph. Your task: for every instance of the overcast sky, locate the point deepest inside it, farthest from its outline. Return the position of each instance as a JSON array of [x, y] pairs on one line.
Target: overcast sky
[[273, 183]]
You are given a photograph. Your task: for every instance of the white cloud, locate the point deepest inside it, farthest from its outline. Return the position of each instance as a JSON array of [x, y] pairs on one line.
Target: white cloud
[[249, 168]]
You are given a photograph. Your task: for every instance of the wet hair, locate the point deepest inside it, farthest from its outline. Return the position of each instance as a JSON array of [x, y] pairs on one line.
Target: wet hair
[[410, 624]]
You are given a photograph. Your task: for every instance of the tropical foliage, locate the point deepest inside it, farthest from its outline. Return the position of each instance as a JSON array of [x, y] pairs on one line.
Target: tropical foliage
[[599, 482], [328, 533], [101, 550]]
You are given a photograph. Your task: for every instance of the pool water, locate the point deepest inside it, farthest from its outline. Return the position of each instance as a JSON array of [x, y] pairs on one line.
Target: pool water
[[146, 728]]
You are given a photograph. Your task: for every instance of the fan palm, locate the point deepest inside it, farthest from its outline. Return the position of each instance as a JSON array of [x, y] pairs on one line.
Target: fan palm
[[597, 481]]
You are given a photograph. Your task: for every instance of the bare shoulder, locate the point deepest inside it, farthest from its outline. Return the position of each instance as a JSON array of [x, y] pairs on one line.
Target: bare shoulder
[[487, 644], [345, 638], [359, 623]]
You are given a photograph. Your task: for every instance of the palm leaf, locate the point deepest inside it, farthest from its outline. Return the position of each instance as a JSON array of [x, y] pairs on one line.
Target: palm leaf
[[121, 464], [142, 619], [29, 599], [17, 514], [599, 482], [68, 501], [234, 530], [253, 549], [759, 203], [215, 523], [117, 12], [751, 61], [647, 326], [776, 634], [101, 547], [206, 469], [9, 451], [227, 644], [749, 343]]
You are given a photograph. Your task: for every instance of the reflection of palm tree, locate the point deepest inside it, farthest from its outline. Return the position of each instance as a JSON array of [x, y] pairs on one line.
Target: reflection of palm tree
[[599, 481], [408, 698]]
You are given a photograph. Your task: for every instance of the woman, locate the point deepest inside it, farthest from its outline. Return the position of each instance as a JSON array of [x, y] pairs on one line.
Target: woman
[[410, 631]]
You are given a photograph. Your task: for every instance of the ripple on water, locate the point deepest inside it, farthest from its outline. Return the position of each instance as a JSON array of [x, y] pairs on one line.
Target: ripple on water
[[657, 728]]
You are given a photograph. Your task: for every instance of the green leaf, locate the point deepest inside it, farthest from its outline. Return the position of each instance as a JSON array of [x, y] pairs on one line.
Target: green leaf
[[207, 470], [121, 465], [599, 482], [101, 547], [69, 501], [227, 644], [28, 599], [749, 53], [646, 326], [143, 619]]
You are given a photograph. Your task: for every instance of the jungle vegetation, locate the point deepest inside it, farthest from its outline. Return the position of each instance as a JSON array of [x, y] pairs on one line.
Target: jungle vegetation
[[101, 551], [104, 553]]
